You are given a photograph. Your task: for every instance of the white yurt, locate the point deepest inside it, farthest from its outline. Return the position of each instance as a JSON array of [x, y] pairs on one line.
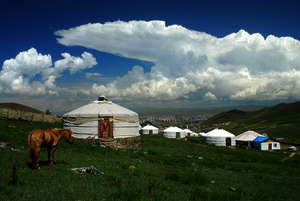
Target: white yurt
[[174, 132], [188, 132], [102, 119], [194, 134], [149, 130], [220, 137], [246, 138]]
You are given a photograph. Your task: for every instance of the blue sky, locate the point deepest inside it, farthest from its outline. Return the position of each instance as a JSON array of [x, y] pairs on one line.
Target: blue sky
[[34, 24]]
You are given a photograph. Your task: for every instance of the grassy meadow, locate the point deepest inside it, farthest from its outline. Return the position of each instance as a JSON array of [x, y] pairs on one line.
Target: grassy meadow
[[164, 169]]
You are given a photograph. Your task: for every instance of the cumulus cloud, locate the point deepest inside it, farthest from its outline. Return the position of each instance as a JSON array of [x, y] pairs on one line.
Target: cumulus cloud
[[239, 66], [209, 96], [32, 73]]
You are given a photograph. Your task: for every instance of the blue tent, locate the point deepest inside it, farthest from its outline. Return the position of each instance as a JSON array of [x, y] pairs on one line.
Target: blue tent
[[261, 139]]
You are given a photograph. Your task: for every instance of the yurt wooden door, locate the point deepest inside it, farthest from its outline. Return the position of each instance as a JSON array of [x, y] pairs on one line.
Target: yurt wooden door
[[270, 146], [228, 141], [150, 132], [105, 127]]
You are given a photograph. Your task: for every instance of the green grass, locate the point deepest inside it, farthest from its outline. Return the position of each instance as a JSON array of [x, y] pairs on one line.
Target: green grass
[[165, 169]]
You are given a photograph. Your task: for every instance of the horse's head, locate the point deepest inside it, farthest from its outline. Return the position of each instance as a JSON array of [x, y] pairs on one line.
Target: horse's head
[[67, 135]]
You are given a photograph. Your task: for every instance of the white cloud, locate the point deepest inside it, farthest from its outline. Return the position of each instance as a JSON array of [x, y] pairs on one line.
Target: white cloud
[[209, 96], [74, 64], [32, 73], [238, 66], [93, 75]]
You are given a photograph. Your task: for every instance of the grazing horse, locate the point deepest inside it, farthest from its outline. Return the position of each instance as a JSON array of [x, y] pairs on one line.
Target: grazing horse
[[49, 139]]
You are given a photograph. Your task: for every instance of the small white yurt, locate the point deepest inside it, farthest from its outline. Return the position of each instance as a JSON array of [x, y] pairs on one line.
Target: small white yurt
[[194, 134], [220, 137], [149, 130], [174, 132], [188, 132], [246, 139], [102, 119]]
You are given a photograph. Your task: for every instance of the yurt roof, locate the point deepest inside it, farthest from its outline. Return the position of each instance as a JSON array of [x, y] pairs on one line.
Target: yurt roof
[[149, 127], [202, 134], [173, 129], [219, 133], [187, 130], [100, 109], [248, 136]]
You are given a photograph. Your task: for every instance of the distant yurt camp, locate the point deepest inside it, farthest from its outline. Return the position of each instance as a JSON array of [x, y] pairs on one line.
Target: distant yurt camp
[[246, 139], [102, 119], [266, 144], [149, 130], [220, 137], [174, 132]]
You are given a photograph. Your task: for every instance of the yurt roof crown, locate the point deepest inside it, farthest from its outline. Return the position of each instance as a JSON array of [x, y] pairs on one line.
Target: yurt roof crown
[[219, 133]]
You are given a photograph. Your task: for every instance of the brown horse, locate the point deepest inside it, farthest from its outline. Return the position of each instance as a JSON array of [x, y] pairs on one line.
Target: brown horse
[[49, 139]]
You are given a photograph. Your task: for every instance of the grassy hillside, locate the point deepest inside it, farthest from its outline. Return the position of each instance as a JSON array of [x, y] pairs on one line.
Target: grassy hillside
[[17, 106], [282, 120], [227, 116], [164, 169]]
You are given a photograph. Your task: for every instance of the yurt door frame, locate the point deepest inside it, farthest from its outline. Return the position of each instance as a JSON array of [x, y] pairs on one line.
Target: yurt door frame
[[105, 127], [150, 132]]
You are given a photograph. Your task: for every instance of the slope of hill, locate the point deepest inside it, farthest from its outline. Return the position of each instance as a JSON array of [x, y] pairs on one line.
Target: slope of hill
[[20, 107], [281, 121], [227, 116], [163, 169], [23, 112]]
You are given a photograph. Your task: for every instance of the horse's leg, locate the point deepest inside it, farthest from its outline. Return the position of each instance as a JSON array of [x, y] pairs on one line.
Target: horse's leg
[[35, 157], [51, 155], [50, 162], [32, 157]]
